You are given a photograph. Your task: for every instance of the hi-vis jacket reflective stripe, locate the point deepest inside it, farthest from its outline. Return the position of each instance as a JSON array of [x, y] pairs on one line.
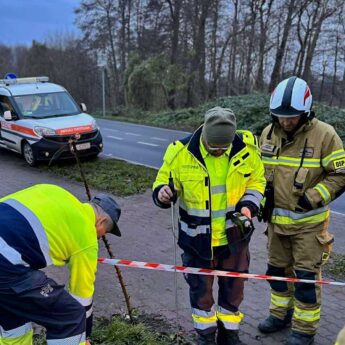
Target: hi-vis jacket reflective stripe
[[245, 181], [55, 229], [321, 176]]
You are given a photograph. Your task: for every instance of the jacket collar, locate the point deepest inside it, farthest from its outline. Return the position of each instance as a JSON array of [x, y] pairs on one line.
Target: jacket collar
[[304, 128], [194, 146]]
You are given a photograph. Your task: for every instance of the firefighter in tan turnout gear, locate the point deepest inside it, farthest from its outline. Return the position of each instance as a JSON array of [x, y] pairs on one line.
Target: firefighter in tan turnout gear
[[219, 177], [304, 163]]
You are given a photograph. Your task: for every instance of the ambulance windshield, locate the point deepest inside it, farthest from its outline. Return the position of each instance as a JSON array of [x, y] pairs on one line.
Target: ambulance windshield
[[45, 105]]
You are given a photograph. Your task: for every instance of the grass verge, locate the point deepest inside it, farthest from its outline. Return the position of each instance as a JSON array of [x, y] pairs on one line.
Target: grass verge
[[335, 268], [151, 330], [113, 176]]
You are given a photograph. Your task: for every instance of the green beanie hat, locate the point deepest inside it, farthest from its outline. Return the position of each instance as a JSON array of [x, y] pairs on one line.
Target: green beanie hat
[[219, 126]]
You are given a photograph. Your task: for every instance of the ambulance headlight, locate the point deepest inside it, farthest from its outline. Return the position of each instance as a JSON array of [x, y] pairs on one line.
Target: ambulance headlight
[[94, 125], [44, 131]]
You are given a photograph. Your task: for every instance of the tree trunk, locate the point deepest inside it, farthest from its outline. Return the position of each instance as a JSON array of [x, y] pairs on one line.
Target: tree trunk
[[335, 69], [253, 10], [275, 76], [264, 21], [214, 50], [113, 60], [175, 10], [197, 74], [233, 52], [325, 13], [324, 65]]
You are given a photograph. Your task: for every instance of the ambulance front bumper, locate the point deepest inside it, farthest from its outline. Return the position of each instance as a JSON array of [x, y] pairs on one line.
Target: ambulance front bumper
[[89, 144]]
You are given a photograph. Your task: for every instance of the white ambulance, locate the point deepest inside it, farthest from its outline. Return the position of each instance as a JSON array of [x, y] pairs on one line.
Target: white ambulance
[[38, 119]]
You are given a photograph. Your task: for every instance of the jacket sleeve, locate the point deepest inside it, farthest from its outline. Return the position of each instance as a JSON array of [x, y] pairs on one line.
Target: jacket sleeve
[[168, 167], [83, 267], [256, 183], [333, 163]]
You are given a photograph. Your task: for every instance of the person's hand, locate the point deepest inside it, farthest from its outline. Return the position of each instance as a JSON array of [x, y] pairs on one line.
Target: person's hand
[[165, 195], [304, 203], [246, 212], [88, 342]]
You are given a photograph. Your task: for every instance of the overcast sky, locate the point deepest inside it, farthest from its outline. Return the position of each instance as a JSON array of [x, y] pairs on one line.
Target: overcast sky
[[22, 21]]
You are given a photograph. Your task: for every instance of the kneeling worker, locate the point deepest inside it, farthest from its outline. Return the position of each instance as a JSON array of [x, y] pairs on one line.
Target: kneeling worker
[[41, 226]]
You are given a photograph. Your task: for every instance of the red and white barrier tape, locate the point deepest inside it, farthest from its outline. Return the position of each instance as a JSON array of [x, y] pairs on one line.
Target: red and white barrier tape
[[209, 272]]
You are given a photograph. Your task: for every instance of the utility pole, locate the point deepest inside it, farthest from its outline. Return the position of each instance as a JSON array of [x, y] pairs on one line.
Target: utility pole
[[102, 64], [103, 90]]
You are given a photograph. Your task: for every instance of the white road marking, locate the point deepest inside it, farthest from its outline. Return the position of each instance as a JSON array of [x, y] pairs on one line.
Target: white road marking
[[134, 134], [117, 138], [110, 129], [160, 139], [338, 213], [126, 160], [130, 124], [143, 143]]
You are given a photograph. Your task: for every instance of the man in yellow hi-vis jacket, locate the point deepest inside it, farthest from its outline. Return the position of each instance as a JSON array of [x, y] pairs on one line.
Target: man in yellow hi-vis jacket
[[41, 226], [216, 171], [304, 163]]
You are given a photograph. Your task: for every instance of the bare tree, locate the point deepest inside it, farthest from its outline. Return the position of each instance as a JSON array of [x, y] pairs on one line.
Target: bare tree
[[197, 70], [265, 9], [175, 12], [322, 11], [275, 76]]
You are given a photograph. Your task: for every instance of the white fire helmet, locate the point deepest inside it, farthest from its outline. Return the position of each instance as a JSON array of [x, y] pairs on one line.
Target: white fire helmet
[[292, 97]]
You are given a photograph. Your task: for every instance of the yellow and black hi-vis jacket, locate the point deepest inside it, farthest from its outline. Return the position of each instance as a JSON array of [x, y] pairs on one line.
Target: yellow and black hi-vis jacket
[[245, 183], [310, 166]]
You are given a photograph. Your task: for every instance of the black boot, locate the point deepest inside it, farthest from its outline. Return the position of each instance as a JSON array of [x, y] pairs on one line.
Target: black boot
[[207, 339], [298, 338], [273, 324], [227, 336]]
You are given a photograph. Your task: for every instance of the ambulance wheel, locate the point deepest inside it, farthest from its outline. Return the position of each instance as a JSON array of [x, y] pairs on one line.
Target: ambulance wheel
[[29, 154]]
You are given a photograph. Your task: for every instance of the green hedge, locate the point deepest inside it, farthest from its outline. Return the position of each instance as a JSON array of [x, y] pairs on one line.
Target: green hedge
[[251, 112]]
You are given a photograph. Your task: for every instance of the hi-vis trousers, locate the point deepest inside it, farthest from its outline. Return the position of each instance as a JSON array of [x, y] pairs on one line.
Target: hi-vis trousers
[[230, 294]]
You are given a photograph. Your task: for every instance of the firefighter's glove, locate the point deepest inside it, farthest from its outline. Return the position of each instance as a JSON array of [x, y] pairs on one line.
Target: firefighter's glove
[[304, 203], [243, 224], [267, 204]]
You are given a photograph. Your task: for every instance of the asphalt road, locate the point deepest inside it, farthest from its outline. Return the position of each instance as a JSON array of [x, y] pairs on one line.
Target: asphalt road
[[137, 143], [146, 145]]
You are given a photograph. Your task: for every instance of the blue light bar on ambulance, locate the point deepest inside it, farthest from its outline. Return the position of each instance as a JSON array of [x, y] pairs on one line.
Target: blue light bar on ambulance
[[24, 80], [10, 76]]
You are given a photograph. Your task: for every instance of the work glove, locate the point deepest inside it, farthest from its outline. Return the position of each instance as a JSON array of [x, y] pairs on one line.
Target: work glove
[[304, 203], [250, 205]]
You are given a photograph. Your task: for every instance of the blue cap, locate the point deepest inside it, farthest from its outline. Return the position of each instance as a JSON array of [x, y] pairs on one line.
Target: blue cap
[[111, 207]]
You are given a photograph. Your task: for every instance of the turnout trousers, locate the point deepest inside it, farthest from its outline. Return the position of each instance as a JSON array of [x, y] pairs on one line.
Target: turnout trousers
[[205, 313], [35, 297], [302, 256]]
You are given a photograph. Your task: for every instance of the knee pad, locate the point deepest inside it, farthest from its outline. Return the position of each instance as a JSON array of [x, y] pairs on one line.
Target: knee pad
[[305, 292], [280, 272]]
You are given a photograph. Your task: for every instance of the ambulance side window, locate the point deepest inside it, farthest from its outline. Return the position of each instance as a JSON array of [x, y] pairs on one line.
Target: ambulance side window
[[5, 104]]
